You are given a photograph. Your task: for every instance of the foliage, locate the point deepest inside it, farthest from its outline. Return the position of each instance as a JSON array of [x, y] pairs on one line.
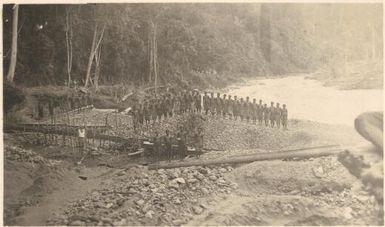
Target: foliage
[[196, 42]]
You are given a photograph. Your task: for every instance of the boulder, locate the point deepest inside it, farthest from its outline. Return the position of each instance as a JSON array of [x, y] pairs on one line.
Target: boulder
[[177, 201], [212, 177], [173, 184], [192, 180], [140, 202], [180, 180], [205, 191], [197, 209], [149, 214]]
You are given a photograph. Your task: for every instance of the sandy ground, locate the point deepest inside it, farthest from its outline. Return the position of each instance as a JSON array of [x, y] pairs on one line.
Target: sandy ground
[[316, 191], [311, 192]]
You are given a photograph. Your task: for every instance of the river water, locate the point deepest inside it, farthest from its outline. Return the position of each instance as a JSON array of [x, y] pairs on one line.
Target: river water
[[310, 100]]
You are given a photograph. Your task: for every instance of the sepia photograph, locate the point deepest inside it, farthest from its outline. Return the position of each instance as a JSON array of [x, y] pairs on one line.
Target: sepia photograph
[[192, 114]]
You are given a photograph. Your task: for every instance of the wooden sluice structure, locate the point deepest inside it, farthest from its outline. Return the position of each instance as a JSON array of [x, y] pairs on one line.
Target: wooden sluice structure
[[93, 131]]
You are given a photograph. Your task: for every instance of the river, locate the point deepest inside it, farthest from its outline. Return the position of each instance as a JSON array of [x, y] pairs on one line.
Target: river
[[310, 100]]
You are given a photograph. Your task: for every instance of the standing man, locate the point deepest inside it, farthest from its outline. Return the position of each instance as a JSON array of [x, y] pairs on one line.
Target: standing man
[[182, 102], [191, 105], [51, 109], [67, 106], [146, 112], [181, 149], [235, 108], [199, 140], [89, 99], [178, 103], [168, 145], [206, 103], [82, 138], [86, 99], [272, 114], [157, 146], [159, 109], [141, 114], [254, 110], [218, 104], [82, 100], [167, 106], [172, 104], [163, 107], [266, 114], [212, 104], [241, 109], [193, 102], [229, 105], [77, 102], [284, 114], [134, 117], [278, 115], [71, 101], [198, 102], [224, 106], [185, 101], [247, 109], [76, 85], [153, 110], [260, 112]]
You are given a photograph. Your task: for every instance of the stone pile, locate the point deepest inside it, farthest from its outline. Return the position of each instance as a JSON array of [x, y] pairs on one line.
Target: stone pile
[[16, 153], [142, 197], [225, 134]]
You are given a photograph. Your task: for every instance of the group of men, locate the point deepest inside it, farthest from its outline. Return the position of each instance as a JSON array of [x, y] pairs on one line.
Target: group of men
[[78, 100], [164, 106], [161, 107], [244, 109], [175, 146]]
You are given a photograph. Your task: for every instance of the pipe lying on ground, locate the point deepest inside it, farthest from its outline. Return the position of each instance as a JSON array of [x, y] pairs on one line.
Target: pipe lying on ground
[[297, 149], [311, 153]]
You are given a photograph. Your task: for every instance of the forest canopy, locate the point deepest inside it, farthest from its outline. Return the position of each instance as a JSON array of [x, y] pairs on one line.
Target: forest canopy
[[185, 43]]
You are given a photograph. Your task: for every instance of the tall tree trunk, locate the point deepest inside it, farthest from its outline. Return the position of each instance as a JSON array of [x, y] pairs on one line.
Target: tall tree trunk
[[314, 20], [341, 25], [12, 65], [155, 61], [265, 35], [91, 58], [97, 67], [69, 35], [150, 51], [94, 48]]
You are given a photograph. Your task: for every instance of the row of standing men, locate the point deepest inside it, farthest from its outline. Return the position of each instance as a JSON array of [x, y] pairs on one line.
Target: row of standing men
[[158, 108], [244, 109]]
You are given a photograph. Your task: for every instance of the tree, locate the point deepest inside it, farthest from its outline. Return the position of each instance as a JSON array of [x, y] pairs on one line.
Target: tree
[[97, 38], [12, 66], [265, 31], [97, 68], [69, 35], [183, 44], [153, 54]]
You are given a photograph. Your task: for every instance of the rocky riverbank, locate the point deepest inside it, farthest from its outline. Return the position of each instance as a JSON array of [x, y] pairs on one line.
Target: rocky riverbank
[[129, 194]]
